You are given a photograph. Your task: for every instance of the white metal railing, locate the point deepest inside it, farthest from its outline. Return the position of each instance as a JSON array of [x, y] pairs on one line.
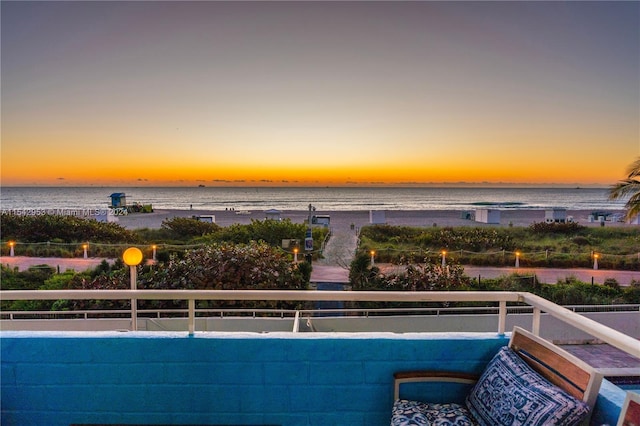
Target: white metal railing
[[290, 313], [539, 304]]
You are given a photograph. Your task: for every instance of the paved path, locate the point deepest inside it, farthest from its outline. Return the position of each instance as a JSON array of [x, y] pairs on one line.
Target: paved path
[[553, 275], [341, 247]]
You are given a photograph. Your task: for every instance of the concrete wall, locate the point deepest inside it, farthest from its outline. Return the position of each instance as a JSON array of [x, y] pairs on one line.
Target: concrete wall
[[224, 379], [229, 378]]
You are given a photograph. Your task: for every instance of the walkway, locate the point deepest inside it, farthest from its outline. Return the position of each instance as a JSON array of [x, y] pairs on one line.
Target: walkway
[[337, 255]]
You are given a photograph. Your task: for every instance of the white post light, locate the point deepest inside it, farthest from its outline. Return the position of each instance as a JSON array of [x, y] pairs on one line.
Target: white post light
[[154, 247], [132, 257], [373, 254], [11, 246], [517, 259], [85, 247], [444, 258], [295, 255], [595, 260]]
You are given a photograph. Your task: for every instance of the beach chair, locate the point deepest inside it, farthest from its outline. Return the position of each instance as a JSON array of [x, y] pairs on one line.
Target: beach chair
[[529, 382]]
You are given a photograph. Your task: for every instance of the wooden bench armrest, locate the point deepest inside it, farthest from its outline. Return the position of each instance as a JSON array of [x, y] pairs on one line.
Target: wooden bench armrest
[[431, 376]]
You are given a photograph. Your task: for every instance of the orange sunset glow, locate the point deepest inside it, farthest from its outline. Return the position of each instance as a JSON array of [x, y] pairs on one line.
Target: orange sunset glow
[[313, 93]]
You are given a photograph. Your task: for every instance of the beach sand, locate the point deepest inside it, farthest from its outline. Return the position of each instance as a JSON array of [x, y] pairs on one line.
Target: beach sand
[[515, 217]]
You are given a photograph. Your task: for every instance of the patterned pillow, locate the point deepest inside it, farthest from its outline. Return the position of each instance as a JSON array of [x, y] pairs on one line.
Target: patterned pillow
[[509, 392], [406, 413]]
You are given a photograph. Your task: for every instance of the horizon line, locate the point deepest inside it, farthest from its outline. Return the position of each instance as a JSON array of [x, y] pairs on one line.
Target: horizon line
[[255, 184]]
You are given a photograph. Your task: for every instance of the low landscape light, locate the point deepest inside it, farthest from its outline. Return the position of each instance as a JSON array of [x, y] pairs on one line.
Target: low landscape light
[[595, 260], [517, 259], [12, 244], [373, 254]]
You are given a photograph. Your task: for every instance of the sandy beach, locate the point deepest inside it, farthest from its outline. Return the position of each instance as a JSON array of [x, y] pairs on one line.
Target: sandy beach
[[515, 217]]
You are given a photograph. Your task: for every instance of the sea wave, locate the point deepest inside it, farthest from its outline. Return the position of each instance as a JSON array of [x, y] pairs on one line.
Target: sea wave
[[327, 199]]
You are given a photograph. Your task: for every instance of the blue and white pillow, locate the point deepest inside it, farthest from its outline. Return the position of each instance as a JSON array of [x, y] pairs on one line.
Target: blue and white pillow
[[510, 393], [414, 413]]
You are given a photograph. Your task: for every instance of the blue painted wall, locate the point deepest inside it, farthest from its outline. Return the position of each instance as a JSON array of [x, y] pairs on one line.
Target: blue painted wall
[[223, 379]]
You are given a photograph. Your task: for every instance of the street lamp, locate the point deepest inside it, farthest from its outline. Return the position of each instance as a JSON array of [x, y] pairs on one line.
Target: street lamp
[[132, 257], [308, 240], [444, 258], [12, 244], [373, 253], [595, 260], [517, 259]]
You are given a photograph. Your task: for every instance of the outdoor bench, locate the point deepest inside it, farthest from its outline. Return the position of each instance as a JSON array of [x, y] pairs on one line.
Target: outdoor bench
[[529, 382]]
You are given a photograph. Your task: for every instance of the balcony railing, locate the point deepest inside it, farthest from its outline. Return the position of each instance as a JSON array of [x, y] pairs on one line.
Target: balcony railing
[[290, 313], [601, 332]]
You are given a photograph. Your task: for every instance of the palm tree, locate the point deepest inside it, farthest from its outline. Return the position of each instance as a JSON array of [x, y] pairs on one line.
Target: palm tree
[[629, 186]]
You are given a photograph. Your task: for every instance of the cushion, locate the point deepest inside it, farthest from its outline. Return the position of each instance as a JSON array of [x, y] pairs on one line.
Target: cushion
[[509, 392], [407, 413]]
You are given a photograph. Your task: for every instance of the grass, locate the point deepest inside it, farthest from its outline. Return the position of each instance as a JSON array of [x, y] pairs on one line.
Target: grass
[[548, 246]]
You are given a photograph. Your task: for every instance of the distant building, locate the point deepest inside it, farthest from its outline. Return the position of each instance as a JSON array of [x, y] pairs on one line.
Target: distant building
[[321, 219], [273, 214], [555, 216], [118, 199], [208, 218], [377, 217], [488, 216]]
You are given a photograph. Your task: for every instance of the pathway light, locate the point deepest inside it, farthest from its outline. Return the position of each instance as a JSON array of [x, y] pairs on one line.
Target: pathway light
[[132, 257]]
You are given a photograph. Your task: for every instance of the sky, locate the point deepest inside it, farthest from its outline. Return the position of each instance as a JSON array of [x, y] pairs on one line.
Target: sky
[[319, 93]]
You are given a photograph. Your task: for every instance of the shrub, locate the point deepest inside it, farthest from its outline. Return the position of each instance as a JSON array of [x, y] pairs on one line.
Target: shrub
[[186, 227], [62, 228], [611, 282], [581, 241], [269, 231], [631, 294], [228, 266], [362, 275], [569, 228]]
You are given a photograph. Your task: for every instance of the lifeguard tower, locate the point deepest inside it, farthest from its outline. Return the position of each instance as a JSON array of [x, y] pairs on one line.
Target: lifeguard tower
[[118, 199]]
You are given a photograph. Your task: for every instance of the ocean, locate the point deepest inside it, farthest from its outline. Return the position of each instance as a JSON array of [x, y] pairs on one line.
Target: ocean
[[322, 198]]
